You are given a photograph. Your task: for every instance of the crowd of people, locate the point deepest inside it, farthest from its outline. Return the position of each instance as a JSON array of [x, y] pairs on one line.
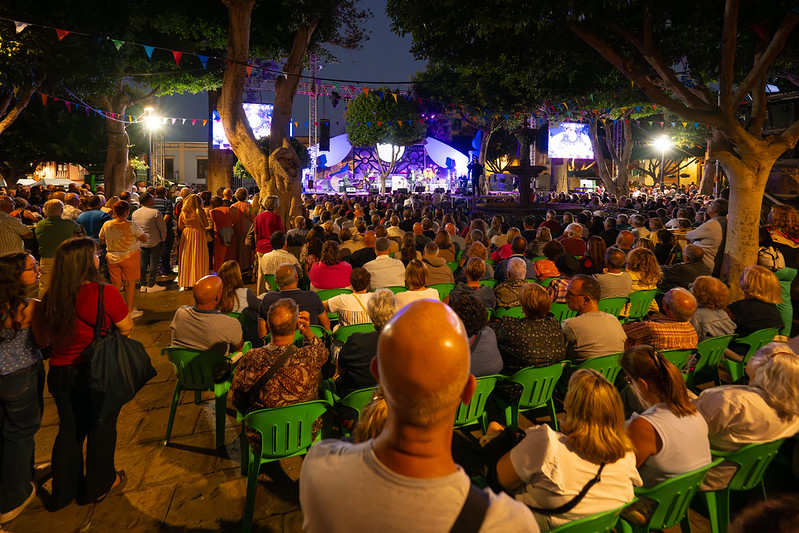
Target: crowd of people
[[383, 261]]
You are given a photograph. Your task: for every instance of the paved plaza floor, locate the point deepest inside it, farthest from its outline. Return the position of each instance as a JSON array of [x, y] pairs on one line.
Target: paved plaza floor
[[187, 485]]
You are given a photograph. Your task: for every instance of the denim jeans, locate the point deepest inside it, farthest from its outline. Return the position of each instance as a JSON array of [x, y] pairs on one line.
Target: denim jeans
[[20, 417], [149, 264]]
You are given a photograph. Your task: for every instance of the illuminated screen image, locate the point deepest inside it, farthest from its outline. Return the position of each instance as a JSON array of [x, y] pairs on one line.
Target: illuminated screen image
[[569, 140], [258, 115]]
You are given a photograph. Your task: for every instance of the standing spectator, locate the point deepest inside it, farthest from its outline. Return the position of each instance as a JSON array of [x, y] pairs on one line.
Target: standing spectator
[[69, 316], [614, 282], [266, 223], [329, 272], [223, 233], [93, 218], [122, 239], [50, 233], [241, 213], [167, 210], [12, 231], [712, 235], [193, 258], [152, 222], [591, 333]]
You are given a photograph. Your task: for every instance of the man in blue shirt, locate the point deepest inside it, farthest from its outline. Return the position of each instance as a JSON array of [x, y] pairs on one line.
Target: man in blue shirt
[[93, 218]]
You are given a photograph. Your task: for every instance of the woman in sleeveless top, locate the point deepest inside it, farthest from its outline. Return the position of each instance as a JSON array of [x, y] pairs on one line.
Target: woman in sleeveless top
[[193, 258]]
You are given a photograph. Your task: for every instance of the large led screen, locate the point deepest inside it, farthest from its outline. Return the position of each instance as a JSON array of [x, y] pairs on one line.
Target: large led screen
[[258, 115], [570, 140]]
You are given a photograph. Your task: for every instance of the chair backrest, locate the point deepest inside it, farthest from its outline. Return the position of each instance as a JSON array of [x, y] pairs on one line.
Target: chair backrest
[[677, 357], [710, 352], [488, 283], [343, 333], [757, 340], [397, 289], [244, 319], [326, 294], [562, 311], [271, 284], [453, 265], [515, 312], [639, 304], [596, 523], [546, 281], [472, 412], [607, 365], [539, 384], [193, 367], [612, 306], [286, 430], [358, 399], [752, 461], [443, 289]]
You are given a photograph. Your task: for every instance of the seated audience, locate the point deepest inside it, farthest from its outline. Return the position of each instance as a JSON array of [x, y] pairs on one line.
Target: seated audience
[[666, 247], [536, 339], [446, 250], [416, 276], [683, 274], [507, 293], [236, 298], [591, 333], [409, 251], [278, 256], [478, 250], [357, 353], [711, 318], [505, 250], [572, 240], [351, 308], [644, 271], [409, 466], [518, 247], [329, 272], [765, 410], [475, 270], [548, 468], [365, 254], [535, 248], [614, 282], [545, 268], [485, 358], [286, 280], [568, 267], [385, 271], [438, 270], [670, 332], [202, 326], [625, 241], [594, 260], [670, 437]]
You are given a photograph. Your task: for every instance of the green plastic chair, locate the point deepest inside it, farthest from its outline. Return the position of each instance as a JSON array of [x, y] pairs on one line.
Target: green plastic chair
[[755, 341], [488, 283], [490, 312], [677, 357], [397, 289], [443, 289], [531, 280], [639, 305], [453, 265], [607, 365], [285, 432], [538, 258], [707, 365], [672, 498], [490, 262], [613, 306], [597, 523], [752, 461], [356, 400], [515, 312], [547, 281], [539, 385], [193, 369], [299, 338], [562, 311], [474, 412], [244, 319], [326, 294], [271, 284], [343, 333]]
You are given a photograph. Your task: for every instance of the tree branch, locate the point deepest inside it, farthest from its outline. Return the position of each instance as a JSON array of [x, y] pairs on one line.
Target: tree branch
[[728, 41], [5, 101], [24, 97], [759, 110]]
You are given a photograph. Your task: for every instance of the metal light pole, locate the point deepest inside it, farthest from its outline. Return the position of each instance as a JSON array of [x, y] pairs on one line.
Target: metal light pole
[[153, 123]]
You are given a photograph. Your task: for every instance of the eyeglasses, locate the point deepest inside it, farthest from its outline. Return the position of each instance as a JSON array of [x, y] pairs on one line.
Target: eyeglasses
[[628, 379], [34, 268]]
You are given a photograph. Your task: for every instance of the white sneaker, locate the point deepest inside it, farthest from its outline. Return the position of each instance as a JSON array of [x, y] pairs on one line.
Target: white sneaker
[[12, 514], [136, 313], [143, 288], [156, 288]]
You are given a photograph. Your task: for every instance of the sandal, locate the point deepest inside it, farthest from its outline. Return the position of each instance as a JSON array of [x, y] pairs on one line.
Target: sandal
[[119, 487]]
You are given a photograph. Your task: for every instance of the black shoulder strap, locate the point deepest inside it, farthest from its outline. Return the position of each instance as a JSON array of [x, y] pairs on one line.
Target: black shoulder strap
[[475, 341], [571, 504], [98, 324], [473, 512], [277, 365]]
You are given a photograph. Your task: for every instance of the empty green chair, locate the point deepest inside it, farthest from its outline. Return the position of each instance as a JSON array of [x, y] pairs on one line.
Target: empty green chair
[[443, 289], [639, 305], [562, 311], [474, 412], [752, 461], [397, 289], [271, 284], [597, 523], [539, 384], [613, 306], [671, 500], [343, 332], [488, 283], [194, 371], [677, 357], [285, 432], [707, 365], [754, 341], [607, 365], [515, 312], [453, 266]]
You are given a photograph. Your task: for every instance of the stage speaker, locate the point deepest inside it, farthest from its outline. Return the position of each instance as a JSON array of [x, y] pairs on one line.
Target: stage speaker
[[439, 190], [310, 184], [388, 189], [402, 190], [419, 188], [351, 189], [341, 188], [373, 190], [324, 136]]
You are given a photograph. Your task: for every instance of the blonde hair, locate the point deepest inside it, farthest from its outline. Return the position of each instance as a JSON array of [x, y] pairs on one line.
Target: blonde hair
[[535, 300], [372, 420], [416, 274], [710, 292], [776, 372], [594, 423], [192, 204], [784, 218], [644, 262], [230, 274], [762, 284]]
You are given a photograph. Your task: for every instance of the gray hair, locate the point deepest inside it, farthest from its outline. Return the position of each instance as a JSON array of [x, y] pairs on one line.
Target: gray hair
[[574, 229], [53, 208], [285, 276], [270, 203], [516, 268], [776, 368], [381, 307]]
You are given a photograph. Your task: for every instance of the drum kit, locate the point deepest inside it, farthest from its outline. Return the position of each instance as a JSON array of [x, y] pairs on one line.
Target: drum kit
[[371, 180]]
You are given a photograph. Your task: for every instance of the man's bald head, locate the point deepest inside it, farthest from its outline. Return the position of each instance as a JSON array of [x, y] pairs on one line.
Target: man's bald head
[[207, 292], [417, 229], [286, 276], [625, 240], [283, 316], [369, 239], [422, 390], [679, 304]]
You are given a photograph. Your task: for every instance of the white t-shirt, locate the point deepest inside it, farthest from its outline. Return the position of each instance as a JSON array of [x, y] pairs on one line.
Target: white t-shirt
[[345, 488], [351, 308], [404, 298], [553, 474]]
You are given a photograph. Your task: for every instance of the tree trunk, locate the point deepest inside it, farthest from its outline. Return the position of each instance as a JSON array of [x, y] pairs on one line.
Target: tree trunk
[[708, 173], [220, 162], [115, 170], [743, 225], [599, 158], [559, 174]]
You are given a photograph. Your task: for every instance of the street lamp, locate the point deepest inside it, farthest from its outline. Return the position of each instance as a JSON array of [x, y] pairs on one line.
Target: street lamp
[[662, 143], [152, 122]]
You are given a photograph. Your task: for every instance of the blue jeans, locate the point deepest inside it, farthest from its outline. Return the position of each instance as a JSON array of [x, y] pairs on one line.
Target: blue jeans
[[148, 262], [21, 405]]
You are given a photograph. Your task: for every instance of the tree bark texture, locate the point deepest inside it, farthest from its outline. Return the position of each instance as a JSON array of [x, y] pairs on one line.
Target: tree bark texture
[[115, 170], [561, 179], [220, 162]]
